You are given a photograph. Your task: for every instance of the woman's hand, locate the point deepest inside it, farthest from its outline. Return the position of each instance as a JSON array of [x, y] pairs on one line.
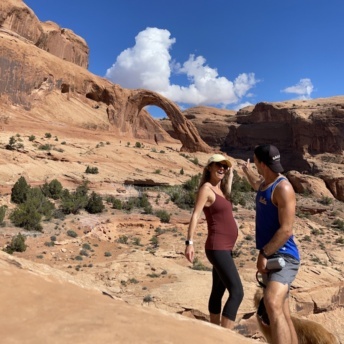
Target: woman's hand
[[190, 253]]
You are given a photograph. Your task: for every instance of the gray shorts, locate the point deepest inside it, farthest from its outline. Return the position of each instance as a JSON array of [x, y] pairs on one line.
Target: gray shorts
[[286, 275]]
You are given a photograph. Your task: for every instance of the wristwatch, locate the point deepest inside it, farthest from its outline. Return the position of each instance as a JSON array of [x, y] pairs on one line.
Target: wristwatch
[[262, 252], [188, 242]]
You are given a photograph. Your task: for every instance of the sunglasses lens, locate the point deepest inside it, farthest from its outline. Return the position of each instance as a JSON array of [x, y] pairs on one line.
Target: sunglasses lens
[[218, 164]]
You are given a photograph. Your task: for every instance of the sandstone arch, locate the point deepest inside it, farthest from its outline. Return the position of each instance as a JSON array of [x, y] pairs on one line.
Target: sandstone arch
[[184, 129]]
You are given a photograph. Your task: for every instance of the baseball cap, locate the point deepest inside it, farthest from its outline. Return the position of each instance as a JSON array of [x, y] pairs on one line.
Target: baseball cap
[[270, 156], [219, 158]]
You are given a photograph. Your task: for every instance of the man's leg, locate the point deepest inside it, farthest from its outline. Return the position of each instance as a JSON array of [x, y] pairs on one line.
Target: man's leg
[[286, 311], [274, 299]]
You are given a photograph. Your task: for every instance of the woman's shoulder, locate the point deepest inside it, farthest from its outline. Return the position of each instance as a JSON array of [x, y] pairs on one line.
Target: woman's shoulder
[[206, 188]]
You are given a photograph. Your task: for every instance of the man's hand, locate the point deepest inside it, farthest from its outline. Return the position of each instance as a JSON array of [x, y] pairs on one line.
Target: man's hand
[[261, 264]]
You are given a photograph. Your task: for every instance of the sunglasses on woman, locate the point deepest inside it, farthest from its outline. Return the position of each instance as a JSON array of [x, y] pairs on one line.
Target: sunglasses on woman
[[218, 164]]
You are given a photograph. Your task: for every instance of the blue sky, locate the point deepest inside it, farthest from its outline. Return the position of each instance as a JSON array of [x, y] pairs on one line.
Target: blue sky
[[221, 53]]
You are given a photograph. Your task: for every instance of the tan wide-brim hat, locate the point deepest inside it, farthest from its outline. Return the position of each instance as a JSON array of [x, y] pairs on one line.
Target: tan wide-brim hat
[[219, 158]]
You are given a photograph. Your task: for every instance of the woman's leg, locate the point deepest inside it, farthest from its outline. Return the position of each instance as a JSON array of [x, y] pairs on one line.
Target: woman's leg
[[214, 304], [226, 270]]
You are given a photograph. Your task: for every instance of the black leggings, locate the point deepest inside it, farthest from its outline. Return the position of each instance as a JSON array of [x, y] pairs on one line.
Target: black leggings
[[225, 276]]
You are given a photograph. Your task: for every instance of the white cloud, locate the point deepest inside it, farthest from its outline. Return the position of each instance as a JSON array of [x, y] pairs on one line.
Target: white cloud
[[303, 89], [242, 105], [149, 65]]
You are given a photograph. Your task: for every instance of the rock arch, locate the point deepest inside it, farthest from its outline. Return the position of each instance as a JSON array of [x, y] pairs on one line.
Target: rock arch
[[184, 129]]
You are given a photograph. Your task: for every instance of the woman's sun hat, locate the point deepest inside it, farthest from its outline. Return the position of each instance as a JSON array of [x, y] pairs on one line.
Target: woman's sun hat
[[219, 158]]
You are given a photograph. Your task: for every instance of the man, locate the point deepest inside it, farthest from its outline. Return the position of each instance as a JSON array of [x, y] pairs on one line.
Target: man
[[275, 213]]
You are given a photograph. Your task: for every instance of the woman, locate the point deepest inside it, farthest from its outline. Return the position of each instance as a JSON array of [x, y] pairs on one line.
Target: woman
[[213, 198]]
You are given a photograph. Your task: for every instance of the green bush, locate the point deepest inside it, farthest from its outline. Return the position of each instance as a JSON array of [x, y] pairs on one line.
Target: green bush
[[53, 189], [46, 146], [32, 137], [26, 216], [11, 143], [95, 204], [92, 170], [198, 265], [48, 135], [338, 224], [71, 233], [3, 209], [123, 239], [117, 204], [19, 191], [325, 200], [163, 215], [17, 244], [73, 202]]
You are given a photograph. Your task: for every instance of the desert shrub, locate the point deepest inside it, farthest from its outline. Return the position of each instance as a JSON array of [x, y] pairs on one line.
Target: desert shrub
[[53, 189], [147, 298], [86, 246], [325, 200], [83, 253], [73, 202], [48, 135], [138, 145], [19, 191], [198, 265], [184, 196], [163, 215], [195, 161], [32, 137], [36, 197], [117, 204], [137, 241], [107, 254], [11, 143], [3, 209], [71, 233], [29, 214], [46, 146], [59, 214], [338, 224], [17, 244], [136, 202], [148, 209], [339, 240], [158, 171], [92, 170], [123, 239], [94, 204], [181, 171], [241, 190], [307, 238], [154, 241]]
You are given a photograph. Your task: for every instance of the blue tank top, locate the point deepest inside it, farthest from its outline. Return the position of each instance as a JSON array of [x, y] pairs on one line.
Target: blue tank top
[[267, 222]]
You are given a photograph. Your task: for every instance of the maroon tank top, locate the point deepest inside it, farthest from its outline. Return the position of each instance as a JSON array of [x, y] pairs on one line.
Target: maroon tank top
[[222, 229]]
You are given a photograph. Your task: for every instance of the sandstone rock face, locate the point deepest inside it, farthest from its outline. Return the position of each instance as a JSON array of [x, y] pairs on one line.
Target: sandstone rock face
[[308, 184], [42, 74], [64, 44], [314, 126], [17, 18], [211, 123]]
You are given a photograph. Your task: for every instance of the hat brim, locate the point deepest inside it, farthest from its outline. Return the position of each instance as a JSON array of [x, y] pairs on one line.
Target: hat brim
[[277, 167]]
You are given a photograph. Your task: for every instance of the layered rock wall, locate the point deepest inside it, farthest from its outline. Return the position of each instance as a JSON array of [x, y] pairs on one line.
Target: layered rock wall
[[18, 19]]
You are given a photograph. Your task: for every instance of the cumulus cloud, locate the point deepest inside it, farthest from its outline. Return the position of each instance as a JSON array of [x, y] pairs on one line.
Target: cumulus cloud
[[149, 65], [303, 89]]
